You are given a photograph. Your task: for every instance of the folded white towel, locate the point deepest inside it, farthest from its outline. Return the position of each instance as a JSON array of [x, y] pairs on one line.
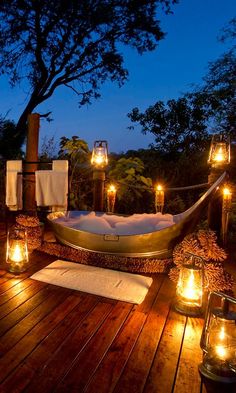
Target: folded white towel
[[60, 165], [14, 184], [51, 188]]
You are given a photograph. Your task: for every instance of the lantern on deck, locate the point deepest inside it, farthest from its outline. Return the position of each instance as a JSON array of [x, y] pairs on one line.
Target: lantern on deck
[[159, 198], [190, 287], [218, 340], [17, 250], [99, 154], [219, 154], [111, 198]]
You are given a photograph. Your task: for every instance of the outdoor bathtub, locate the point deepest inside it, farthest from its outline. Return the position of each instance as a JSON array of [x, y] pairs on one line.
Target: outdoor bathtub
[[159, 243]]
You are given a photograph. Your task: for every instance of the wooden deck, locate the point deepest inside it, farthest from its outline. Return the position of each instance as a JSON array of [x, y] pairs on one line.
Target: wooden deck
[[54, 339]]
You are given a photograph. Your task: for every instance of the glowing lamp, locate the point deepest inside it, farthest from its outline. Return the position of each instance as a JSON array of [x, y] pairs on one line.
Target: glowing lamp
[[159, 198], [17, 250], [190, 287], [219, 154], [111, 198], [218, 340], [100, 154], [227, 199]]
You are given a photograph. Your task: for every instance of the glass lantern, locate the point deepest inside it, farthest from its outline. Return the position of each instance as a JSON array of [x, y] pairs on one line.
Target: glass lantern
[[17, 250], [218, 340], [219, 154], [111, 198], [100, 154], [190, 287]]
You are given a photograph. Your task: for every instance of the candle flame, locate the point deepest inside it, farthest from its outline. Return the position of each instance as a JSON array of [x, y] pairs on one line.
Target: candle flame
[[112, 188], [190, 291], [159, 187], [220, 349], [219, 156], [17, 255]]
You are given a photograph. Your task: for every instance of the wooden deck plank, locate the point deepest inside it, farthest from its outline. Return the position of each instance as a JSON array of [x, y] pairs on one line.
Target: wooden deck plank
[[137, 368], [35, 295], [12, 336], [49, 376], [22, 376], [188, 379], [26, 345], [164, 367], [111, 367], [91, 356]]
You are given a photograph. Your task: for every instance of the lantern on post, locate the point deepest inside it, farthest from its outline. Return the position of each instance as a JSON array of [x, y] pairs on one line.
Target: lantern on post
[[190, 286], [218, 340], [111, 198], [99, 161], [159, 198], [219, 154], [17, 250]]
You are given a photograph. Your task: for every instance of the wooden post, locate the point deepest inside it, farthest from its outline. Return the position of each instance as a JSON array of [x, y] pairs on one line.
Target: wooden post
[[98, 191], [29, 167]]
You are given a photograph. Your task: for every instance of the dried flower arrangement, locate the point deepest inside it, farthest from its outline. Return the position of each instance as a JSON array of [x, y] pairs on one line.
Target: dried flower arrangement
[[204, 244], [34, 230]]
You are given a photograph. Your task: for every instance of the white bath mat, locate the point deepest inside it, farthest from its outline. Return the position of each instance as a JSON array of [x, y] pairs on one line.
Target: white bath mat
[[112, 284]]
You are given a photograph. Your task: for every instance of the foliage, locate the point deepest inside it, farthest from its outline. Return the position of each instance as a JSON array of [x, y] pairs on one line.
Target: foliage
[[10, 146], [77, 152], [179, 126], [219, 89], [48, 149], [133, 187], [77, 44], [203, 244]]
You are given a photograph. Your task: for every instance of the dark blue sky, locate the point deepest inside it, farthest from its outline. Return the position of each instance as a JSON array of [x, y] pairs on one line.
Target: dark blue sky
[[180, 60]]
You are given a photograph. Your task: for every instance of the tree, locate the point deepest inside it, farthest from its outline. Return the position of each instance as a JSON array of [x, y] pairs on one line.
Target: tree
[[78, 44], [219, 88], [179, 126], [133, 187], [77, 152], [10, 147]]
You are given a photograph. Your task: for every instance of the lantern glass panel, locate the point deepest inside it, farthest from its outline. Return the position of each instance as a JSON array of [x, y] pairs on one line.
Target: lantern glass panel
[[219, 151], [99, 154], [218, 340], [17, 250], [190, 286]]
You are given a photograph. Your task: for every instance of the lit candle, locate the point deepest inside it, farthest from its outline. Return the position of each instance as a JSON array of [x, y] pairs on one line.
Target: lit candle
[[16, 254], [159, 198], [111, 198], [189, 290], [219, 155], [227, 199], [220, 349], [17, 250]]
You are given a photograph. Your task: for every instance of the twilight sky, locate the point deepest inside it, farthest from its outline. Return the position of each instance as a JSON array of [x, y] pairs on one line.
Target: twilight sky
[[180, 60]]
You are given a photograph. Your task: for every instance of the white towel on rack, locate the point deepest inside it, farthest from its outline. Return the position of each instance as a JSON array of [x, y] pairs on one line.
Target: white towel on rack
[[60, 165], [14, 184], [51, 188]]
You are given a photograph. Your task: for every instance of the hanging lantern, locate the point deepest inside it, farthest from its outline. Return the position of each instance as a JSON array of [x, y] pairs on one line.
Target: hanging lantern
[[219, 154], [111, 198], [159, 198], [190, 287], [218, 340], [100, 154], [17, 250]]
